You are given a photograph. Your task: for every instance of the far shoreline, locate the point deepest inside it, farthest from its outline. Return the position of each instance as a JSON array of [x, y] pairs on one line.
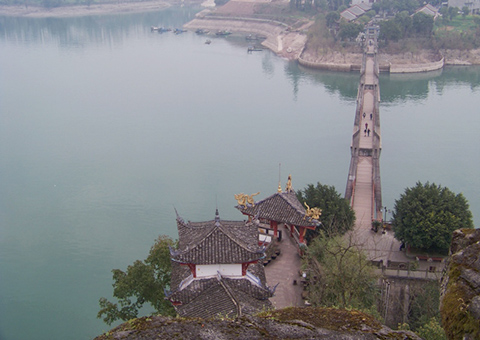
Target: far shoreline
[[288, 45], [110, 8]]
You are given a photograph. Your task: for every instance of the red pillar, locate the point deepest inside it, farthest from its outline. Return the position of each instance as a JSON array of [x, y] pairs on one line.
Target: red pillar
[[274, 226], [302, 233]]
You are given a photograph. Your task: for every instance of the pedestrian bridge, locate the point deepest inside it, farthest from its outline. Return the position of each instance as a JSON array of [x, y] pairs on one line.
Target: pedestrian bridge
[[363, 185]]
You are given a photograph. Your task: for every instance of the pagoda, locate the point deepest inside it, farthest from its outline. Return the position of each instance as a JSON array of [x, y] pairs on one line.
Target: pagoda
[[216, 270], [282, 207]]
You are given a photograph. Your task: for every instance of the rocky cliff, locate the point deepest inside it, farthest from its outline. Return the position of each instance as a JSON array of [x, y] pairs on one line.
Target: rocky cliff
[[460, 295], [289, 323]]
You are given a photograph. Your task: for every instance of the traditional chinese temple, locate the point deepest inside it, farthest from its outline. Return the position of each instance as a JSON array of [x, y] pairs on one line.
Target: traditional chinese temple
[[283, 207], [216, 270]]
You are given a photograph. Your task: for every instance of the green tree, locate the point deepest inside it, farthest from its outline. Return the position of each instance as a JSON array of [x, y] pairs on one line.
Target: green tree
[[422, 24], [405, 22], [337, 215], [465, 11], [332, 18], [390, 30], [426, 215], [143, 282], [344, 276]]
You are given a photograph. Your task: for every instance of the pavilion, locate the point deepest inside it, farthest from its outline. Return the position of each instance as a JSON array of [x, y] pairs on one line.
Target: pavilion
[[216, 270], [282, 208]]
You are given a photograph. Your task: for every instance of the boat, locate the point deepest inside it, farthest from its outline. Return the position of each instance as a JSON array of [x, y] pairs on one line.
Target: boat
[[159, 29], [254, 48], [255, 37], [208, 41], [201, 31], [223, 33], [179, 30]]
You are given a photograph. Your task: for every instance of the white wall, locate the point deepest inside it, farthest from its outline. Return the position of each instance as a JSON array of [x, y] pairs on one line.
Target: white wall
[[224, 269]]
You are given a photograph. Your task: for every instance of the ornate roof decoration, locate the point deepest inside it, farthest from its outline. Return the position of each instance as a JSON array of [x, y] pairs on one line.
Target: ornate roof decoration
[[312, 213], [217, 241], [244, 200]]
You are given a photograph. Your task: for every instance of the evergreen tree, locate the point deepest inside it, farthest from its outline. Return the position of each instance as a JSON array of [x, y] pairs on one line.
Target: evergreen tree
[[426, 215]]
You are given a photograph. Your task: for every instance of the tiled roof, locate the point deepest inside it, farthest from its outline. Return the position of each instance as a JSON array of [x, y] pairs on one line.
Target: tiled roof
[[357, 10], [429, 10], [208, 297], [348, 15], [283, 207], [217, 241]]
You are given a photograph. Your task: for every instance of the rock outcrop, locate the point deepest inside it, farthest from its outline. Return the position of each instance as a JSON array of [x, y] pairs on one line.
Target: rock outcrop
[[460, 295], [288, 323]]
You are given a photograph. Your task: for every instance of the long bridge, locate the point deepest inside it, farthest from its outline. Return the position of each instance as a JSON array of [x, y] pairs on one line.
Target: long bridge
[[363, 185]]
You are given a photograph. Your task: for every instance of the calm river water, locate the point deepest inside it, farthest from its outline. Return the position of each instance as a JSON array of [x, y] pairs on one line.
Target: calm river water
[[105, 128]]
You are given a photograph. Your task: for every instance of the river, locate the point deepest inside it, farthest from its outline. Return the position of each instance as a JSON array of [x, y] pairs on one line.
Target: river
[[106, 128]]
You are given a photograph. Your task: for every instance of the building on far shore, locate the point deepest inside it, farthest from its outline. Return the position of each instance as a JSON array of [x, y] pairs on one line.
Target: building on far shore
[[216, 270], [473, 5]]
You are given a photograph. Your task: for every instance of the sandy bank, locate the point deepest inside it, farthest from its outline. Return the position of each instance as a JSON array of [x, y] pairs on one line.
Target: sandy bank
[[83, 10]]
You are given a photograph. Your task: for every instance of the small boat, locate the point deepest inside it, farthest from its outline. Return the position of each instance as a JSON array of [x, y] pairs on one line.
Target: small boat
[[201, 31], [161, 29], [254, 48], [255, 37], [208, 41], [223, 33], [154, 28], [178, 30]]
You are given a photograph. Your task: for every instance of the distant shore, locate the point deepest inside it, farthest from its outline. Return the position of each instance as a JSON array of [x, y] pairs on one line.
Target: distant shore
[[84, 10], [286, 44]]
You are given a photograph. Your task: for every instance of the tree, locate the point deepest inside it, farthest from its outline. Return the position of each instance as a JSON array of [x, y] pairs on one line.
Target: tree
[[344, 275], [332, 18], [337, 215], [143, 282], [422, 24], [349, 30], [390, 30], [426, 215], [465, 11]]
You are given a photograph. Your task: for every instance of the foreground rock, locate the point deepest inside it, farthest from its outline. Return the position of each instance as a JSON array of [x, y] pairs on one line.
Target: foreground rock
[[289, 323], [460, 295]]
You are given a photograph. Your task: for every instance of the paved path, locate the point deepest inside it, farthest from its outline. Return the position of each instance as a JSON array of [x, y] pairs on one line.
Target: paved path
[[283, 270]]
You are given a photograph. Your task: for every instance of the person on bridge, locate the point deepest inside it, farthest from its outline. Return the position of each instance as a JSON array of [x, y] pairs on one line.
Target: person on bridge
[[366, 126], [364, 115], [371, 116], [368, 132]]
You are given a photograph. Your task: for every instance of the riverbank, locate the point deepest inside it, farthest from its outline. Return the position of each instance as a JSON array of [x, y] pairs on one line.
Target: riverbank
[[84, 10]]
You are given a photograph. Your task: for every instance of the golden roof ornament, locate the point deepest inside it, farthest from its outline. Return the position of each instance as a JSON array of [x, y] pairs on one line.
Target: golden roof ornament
[[243, 199], [312, 213], [288, 187], [279, 187]]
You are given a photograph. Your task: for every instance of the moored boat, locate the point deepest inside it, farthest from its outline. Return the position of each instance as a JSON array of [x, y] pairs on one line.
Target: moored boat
[[223, 33]]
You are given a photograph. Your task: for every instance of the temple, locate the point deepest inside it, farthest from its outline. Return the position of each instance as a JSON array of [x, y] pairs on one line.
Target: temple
[[282, 207], [216, 270]]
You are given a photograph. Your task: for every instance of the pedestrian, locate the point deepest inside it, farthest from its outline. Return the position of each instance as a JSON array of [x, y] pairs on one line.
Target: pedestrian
[[368, 132], [366, 126], [364, 115], [365, 133], [371, 116]]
